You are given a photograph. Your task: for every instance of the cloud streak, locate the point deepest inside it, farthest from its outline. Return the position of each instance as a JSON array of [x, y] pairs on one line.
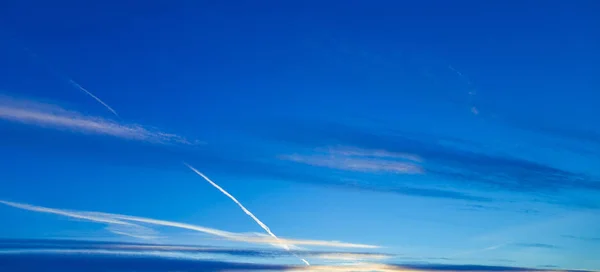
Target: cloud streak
[[51, 116], [246, 211], [535, 245], [456, 164], [582, 238], [361, 160], [8, 245], [134, 221], [80, 255]]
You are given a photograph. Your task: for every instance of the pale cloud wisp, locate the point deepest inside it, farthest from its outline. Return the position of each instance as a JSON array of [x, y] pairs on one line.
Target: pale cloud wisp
[[360, 160], [52, 116], [132, 224]]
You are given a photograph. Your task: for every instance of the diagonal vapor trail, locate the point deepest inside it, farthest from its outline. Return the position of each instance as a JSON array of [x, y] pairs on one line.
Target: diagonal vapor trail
[[54, 70], [76, 85], [249, 213]]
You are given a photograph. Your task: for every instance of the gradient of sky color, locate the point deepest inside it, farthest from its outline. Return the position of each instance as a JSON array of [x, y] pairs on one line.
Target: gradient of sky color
[[449, 132]]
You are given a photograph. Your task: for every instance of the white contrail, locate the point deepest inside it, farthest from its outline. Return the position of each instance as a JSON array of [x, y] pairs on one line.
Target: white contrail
[[58, 73], [93, 96], [460, 75], [249, 213]]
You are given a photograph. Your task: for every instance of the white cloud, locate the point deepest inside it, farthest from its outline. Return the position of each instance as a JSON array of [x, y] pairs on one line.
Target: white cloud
[[359, 152], [52, 116], [134, 223], [162, 254], [360, 160]]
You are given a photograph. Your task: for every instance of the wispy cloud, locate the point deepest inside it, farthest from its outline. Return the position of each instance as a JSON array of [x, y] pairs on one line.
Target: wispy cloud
[[246, 211], [67, 213], [10, 245], [368, 267], [361, 160], [76, 85], [134, 231], [87, 260], [370, 161], [458, 165], [134, 221], [349, 256], [115, 226], [476, 251], [52, 116], [82, 256], [582, 238], [378, 153], [535, 245]]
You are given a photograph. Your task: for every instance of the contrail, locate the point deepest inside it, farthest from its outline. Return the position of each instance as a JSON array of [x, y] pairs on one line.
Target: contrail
[[249, 213], [57, 72], [459, 74], [494, 247], [76, 85], [472, 91]]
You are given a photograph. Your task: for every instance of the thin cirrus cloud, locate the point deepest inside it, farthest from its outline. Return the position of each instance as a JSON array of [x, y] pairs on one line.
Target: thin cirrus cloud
[[360, 160], [536, 245], [51, 116], [378, 153], [582, 238], [86, 260], [134, 223], [455, 164], [66, 251], [134, 231], [72, 253]]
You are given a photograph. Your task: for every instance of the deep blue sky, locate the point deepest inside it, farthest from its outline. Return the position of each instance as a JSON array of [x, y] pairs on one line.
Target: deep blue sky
[[465, 132]]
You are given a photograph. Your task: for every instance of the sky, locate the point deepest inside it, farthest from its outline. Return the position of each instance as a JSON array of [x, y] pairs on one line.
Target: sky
[[269, 135]]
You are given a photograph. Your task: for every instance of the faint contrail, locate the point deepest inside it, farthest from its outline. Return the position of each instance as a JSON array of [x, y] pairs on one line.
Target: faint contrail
[[57, 72], [460, 74], [93, 96], [249, 213], [494, 247]]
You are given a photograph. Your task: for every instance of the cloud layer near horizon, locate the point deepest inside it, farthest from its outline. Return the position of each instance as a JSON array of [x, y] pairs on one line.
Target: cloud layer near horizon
[[69, 255], [8, 246]]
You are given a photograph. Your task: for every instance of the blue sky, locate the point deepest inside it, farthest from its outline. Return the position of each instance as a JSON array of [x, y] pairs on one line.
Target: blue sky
[[463, 133]]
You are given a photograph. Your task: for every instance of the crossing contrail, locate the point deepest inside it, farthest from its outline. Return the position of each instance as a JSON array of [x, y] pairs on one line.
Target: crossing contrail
[[76, 85], [249, 213]]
